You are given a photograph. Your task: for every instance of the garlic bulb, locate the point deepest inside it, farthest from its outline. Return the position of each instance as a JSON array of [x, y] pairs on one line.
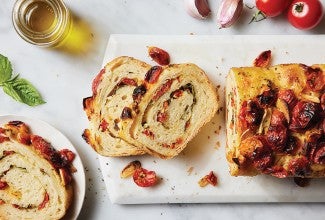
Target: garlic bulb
[[229, 12], [197, 8]]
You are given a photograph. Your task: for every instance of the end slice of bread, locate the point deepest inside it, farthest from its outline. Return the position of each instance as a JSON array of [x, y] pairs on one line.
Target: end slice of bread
[[35, 182]]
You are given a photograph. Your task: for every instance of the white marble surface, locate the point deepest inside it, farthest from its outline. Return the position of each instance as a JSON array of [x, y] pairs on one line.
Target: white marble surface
[[64, 80]]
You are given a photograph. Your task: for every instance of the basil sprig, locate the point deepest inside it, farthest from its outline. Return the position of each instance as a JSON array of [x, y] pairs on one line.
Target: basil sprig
[[18, 88]]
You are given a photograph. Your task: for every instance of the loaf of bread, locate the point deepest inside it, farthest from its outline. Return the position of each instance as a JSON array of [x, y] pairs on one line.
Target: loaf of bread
[[137, 108], [276, 121], [35, 179]]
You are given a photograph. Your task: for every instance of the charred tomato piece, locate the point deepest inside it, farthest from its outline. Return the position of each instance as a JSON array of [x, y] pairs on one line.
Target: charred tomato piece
[[267, 98], [250, 115], [315, 79], [299, 167], [138, 92], [319, 155], [159, 55], [153, 74], [145, 178], [262, 158], [288, 96], [264, 59], [304, 115], [126, 113]]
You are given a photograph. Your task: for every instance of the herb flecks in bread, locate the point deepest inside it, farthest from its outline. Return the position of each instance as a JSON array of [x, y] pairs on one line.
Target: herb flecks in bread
[[275, 120], [35, 179], [147, 109]]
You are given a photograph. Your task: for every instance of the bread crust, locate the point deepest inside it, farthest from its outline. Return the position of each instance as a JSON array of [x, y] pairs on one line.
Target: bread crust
[[36, 186], [107, 141], [148, 119], [192, 102], [287, 88]]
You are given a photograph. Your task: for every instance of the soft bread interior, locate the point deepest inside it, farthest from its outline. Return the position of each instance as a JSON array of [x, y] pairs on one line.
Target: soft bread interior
[[168, 113], [167, 122], [30, 178], [107, 106]]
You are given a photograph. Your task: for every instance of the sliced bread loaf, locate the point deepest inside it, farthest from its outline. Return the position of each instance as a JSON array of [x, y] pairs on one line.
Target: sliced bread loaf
[[137, 108]]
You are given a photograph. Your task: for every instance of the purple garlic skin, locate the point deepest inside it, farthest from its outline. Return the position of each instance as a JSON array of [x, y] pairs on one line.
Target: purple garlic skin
[[229, 12], [198, 9]]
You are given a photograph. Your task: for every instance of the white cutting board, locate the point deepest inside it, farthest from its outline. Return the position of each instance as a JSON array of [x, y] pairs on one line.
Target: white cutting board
[[215, 55]]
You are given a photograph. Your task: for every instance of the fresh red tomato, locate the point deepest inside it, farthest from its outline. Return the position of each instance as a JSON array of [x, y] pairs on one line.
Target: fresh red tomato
[[272, 8], [305, 14], [144, 178]]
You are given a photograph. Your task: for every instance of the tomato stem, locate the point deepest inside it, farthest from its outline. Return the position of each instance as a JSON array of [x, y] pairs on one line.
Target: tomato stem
[[258, 16], [250, 7], [299, 7]]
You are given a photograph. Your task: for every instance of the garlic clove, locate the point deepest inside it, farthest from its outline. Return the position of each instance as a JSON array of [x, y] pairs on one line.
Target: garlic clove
[[197, 8], [229, 12]]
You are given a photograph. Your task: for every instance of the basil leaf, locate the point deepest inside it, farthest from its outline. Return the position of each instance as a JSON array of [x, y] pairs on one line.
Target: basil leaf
[[22, 91], [5, 69], [9, 90]]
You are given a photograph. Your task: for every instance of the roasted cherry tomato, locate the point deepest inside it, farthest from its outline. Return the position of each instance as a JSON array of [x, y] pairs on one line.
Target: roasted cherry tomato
[[159, 55], [305, 14], [144, 178], [272, 8]]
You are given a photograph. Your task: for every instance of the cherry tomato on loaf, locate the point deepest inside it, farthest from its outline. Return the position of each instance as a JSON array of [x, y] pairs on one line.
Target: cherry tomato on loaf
[[144, 178], [272, 8], [305, 14]]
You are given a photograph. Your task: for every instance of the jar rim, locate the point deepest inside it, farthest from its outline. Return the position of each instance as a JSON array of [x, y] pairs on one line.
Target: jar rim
[[45, 38]]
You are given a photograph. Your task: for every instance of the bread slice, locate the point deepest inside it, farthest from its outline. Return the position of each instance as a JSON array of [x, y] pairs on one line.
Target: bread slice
[[110, 107], [137, 108], [275, 121], [35, 181], [173, 110]]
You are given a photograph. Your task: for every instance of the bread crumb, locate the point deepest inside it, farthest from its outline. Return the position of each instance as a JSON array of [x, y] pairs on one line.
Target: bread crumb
[[190, 170]]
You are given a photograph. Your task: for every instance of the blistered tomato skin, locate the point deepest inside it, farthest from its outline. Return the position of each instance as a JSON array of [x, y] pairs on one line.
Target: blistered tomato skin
[[159, 55], [305, 14], [144, 178]]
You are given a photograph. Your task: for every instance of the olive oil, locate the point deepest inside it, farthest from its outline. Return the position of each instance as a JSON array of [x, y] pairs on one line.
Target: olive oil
[[49, 23], [40, 16], [79, 38]]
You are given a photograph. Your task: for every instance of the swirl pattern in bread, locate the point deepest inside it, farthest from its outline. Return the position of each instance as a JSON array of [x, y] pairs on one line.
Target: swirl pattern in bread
[[173, 110], [112, 93], [35, 179], [137, 108]]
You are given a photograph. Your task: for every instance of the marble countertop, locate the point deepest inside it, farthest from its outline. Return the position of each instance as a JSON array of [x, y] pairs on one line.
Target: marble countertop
[[55, 72]]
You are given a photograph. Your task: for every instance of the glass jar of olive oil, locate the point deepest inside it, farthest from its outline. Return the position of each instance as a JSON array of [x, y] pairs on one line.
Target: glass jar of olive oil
[[42, 22]]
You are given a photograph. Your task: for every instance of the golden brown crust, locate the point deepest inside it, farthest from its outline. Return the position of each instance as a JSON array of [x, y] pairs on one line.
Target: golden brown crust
[[276, 126]]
